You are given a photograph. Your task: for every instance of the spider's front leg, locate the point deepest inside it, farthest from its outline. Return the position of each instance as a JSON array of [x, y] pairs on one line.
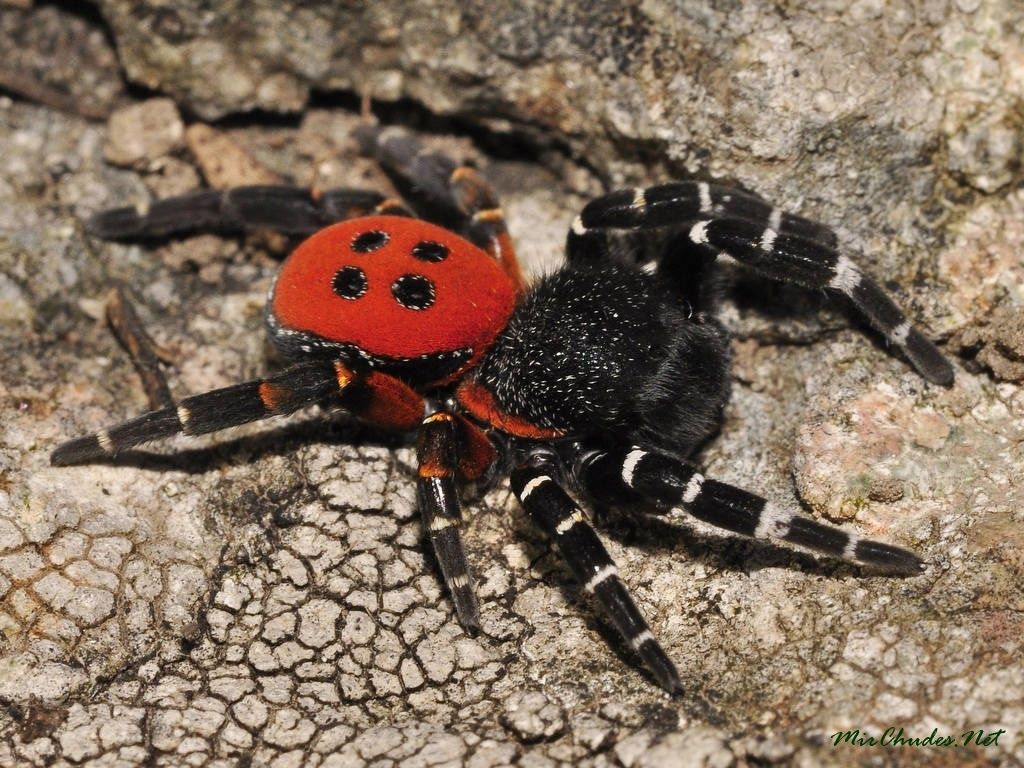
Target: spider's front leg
[[633, 474], [563, 521], [674, 204], [779, 245], [371, 396]]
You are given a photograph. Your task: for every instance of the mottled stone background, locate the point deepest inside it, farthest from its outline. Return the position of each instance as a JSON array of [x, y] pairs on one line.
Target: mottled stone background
[[262, 597]]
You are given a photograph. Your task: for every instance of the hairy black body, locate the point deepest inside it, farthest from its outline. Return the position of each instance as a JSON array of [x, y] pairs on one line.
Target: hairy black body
[[614, 350]]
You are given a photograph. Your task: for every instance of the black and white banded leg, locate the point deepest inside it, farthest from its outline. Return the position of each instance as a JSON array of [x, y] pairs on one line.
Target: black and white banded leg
[[442, 515], [778, 245], [375, 397], [633, 473], [289, 210], [671, 205], [563, 521]]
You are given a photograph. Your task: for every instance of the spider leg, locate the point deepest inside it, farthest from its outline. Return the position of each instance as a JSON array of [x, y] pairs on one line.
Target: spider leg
[[780, 246], [442, 518], [373, 396], [634, 474], [290, 210], [691, 270], [670, 205], [453, 195], [563, 521]]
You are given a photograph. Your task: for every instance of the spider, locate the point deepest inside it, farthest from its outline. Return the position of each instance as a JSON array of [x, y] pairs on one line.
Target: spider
[[602, 377]]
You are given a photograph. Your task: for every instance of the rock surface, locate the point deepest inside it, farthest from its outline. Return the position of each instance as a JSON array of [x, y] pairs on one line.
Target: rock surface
[[264, 595]]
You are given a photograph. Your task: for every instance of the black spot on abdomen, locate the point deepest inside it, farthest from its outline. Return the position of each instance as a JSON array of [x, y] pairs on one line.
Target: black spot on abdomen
[[428, 250], [414, 292], [367, 242], [349, 282]]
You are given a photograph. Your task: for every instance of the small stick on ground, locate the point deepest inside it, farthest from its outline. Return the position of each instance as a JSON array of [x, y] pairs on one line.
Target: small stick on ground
[[35, 90], [145, 354]]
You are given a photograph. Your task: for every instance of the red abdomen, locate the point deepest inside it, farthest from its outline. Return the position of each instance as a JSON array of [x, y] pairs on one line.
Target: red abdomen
[[394, 288]]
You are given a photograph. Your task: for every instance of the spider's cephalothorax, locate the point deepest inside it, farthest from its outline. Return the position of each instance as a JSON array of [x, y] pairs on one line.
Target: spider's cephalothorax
[[604, 375]]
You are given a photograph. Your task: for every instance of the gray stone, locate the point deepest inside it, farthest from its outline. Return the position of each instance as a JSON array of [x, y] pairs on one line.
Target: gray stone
[[532, 716], [140, 133], [84, 78], [317, 620]]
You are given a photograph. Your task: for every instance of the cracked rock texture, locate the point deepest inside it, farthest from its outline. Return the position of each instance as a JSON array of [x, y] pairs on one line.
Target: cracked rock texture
[[263, 596]]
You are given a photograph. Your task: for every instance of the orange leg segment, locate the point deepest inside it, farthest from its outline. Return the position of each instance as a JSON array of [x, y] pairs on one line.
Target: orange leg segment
[[478, 201]]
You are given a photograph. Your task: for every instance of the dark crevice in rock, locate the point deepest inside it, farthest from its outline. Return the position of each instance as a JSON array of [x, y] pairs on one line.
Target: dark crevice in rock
[[87, 11], [52, 57]]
